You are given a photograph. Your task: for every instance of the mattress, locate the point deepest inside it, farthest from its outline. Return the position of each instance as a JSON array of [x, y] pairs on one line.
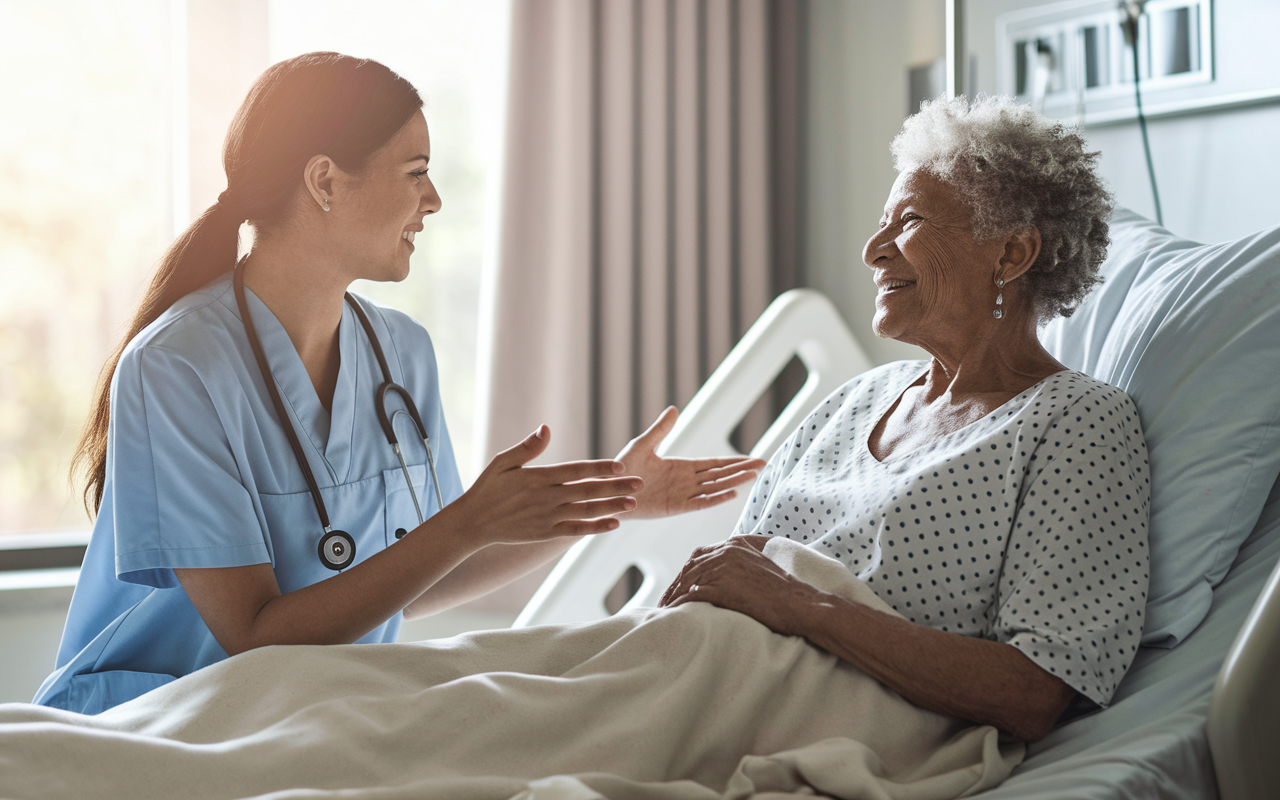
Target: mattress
[[1152, 742]]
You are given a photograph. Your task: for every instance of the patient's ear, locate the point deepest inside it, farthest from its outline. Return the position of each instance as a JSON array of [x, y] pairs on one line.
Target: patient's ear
[[1020, 251]]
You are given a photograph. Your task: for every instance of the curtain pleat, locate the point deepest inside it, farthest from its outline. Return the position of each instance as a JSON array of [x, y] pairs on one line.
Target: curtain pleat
[[636, 240]]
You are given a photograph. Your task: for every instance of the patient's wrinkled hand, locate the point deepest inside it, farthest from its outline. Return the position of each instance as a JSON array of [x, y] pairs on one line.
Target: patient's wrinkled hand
[[676, 485], [735, 574]]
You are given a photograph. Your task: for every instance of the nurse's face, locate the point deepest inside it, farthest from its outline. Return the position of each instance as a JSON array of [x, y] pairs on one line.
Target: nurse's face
[[377, 212]]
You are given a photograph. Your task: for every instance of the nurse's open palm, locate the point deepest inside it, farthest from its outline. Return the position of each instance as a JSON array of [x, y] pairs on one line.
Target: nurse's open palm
[[514, 503], [676, 485]]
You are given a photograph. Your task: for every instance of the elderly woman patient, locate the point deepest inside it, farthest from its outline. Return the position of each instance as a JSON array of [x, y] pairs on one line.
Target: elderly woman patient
[[994, 498]]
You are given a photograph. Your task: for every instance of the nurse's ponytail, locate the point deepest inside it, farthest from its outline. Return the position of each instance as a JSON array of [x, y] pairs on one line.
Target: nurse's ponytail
[[318, 103]]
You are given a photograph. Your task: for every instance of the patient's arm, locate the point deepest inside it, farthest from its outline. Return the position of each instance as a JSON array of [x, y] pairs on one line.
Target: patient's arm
[[974, 679]]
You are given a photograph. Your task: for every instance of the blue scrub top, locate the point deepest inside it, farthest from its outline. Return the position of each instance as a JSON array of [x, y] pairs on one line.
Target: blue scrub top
[[200, 473]]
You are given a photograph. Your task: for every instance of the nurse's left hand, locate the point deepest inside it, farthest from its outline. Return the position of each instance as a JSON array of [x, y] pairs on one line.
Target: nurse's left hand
[[676, 485]]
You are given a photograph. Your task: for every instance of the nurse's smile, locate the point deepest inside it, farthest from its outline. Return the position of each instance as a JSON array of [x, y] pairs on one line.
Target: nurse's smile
[[407, 236]]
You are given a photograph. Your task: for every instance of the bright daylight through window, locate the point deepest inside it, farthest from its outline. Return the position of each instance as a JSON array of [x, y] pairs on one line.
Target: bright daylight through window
[[87, 159]]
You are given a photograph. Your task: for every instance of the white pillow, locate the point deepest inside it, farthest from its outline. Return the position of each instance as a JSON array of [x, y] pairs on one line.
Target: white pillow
[[1192, 333]]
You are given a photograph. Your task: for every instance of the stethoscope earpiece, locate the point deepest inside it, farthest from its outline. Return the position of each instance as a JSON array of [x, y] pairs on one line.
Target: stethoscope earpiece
[[337, 550]]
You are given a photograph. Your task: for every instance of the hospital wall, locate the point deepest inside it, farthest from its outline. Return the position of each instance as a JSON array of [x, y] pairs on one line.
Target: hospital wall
[[1217, 170]]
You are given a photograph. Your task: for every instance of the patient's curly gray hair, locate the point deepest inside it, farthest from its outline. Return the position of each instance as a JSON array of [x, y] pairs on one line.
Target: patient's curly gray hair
[[1017, 169]]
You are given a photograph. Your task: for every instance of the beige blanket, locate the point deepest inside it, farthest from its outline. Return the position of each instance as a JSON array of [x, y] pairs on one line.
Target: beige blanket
[[695, 702]]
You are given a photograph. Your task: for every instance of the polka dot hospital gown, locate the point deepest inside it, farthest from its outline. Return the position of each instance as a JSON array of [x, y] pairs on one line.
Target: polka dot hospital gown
[[1028, 526]]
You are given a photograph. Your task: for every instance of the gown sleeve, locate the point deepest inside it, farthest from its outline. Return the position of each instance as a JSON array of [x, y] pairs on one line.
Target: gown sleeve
[[1074, 580], [179, 496], [785, 459]]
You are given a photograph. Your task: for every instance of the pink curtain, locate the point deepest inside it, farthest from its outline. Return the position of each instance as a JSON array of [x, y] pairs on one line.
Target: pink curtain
[[637, 231]]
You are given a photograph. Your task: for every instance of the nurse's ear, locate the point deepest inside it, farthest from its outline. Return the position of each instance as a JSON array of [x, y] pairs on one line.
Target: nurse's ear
[[319, 177]]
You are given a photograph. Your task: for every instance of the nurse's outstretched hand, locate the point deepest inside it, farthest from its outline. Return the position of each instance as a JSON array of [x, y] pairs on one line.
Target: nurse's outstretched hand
[[676, 485], [514, 503]]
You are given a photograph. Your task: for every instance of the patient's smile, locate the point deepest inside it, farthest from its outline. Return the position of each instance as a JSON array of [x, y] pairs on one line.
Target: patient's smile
[[889, 286]]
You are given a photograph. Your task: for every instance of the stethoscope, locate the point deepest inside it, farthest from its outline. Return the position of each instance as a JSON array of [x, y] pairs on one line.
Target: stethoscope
[[337, 549]]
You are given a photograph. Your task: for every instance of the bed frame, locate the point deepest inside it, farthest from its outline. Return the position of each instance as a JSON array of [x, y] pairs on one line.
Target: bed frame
[[801, 323], [1244, 714]]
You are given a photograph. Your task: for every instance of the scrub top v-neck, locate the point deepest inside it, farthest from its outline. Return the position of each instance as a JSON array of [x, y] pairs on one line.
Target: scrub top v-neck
[[200, 474]]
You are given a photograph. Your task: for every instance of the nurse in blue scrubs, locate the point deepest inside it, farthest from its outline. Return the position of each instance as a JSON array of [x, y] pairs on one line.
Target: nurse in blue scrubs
[[210, 492]]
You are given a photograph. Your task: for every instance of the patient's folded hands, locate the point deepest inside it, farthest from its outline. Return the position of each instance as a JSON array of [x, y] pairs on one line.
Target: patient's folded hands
[[735, 574], [676, 485]]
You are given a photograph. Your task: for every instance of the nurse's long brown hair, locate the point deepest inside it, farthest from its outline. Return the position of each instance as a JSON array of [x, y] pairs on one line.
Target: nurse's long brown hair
[[318, 103]]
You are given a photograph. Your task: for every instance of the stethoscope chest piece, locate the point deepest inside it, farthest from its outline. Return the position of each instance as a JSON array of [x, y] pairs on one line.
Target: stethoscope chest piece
[[337, 550]]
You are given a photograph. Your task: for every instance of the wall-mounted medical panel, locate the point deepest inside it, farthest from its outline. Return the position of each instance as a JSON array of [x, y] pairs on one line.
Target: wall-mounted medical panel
[[1063, 57]]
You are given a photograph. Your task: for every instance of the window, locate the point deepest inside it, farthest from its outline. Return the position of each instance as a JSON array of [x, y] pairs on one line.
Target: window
[[89, 206], [84, 215]]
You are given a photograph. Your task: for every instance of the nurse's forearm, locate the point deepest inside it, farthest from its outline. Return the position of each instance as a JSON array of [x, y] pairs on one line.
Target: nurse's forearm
[[509, 504], [491, 568], [244, 608]]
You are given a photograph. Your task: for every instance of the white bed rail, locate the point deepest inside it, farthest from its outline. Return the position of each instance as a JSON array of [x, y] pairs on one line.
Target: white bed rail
[[801, 323], [1244, 715]]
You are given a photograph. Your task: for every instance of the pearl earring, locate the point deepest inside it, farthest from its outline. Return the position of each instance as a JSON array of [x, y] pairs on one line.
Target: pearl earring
[[326, 204], [998, 313]]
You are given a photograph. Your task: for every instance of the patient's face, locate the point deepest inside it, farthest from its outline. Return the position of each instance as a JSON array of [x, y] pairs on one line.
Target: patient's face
[[936, 281]]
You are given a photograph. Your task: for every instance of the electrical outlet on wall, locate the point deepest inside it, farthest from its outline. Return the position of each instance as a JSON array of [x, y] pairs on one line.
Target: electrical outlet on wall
[[1058, 57]]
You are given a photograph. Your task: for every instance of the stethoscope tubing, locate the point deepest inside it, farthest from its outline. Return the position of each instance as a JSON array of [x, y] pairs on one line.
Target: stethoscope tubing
[[386, 420], [261, 357], [431, 466], [337, 549]]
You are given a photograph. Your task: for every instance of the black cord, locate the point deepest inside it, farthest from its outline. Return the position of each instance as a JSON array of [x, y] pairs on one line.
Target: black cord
[[1142, 124]]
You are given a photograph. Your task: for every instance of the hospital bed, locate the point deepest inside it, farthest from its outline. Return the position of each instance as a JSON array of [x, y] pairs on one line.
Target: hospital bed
[[1198, 720]]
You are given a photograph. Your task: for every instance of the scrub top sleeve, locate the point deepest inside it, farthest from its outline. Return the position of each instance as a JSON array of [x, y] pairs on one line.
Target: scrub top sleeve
[[1074, 582], [179, 495]]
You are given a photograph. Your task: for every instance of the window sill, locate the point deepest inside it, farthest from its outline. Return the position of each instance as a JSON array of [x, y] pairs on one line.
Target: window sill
[[27, 579], [42, 552]]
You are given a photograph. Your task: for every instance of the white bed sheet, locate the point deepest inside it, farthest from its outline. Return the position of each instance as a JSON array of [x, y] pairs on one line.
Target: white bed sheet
[[1152, 741]]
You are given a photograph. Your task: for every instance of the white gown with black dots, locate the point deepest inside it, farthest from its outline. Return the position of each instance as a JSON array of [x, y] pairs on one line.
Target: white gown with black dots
[[1028, 526]]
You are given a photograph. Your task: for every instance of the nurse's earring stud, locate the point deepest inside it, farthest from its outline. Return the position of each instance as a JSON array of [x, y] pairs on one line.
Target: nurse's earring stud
[[326, 204], [999, 312]]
